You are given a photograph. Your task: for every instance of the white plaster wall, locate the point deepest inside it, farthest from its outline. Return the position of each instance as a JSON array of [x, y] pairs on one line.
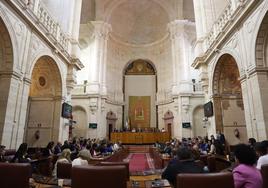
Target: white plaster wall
[[141, 86], [241, 45], [27, 48]]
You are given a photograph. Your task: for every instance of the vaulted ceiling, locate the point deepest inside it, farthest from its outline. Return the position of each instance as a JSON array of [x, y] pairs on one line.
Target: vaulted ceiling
[[137, 21]]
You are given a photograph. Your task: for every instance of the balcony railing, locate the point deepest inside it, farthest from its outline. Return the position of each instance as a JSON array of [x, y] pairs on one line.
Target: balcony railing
[[43, 18], [227, 17]]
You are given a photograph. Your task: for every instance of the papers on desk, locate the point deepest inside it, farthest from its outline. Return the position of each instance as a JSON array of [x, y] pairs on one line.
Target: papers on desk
[[159, 183]]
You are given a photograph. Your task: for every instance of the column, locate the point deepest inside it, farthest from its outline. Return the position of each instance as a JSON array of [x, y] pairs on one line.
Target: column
[[200, 33], [180, 34], [97, 81], [107, 29], [174, 30], [10, 95], [74, 28], [257, 108]]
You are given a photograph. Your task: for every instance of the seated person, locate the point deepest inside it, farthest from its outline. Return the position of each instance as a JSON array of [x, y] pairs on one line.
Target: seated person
[[65, 157], [2, 153], [262, 152], [183, 164], [82, 158], [21, 154], [49, 149], [168, 149], [246, 175]]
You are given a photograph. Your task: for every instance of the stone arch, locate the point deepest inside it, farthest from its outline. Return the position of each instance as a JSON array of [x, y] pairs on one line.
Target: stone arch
[[227, 99], [169, 122], [111, 115], [221, 61], [199, 129], [6, 52], [45, 97], [114, 4], [111, 123], [215, 70], [168, 115], [12, 38], [261, 43], [259, 36], [81, 125], [8, 83], [140, 71], [48, 54], [129, 63]]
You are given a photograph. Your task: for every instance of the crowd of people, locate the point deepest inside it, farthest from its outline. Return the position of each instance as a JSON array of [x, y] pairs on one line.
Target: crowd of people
[[77, 151], [247, 158]]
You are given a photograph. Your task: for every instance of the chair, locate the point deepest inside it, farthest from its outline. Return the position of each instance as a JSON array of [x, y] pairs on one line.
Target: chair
[[211, 160], [104, 163], [9, 154], [264, 173], [14, 175], [99, 176], [64, 170], [209, 180]]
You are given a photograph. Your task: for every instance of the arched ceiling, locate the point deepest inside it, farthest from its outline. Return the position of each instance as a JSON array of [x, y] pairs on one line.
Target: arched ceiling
[[139, 22]]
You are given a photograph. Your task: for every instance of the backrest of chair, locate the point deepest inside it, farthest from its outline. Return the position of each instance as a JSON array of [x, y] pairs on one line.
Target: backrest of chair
[[64, 170], [104, 163], [14, 175], [99, 176], [211, 163], [264, 173], [209, 180]]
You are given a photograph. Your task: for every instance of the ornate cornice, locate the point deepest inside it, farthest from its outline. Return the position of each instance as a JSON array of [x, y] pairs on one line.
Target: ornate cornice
[[216, 37]]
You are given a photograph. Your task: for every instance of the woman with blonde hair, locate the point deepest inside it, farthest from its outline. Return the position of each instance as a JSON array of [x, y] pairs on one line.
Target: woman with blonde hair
[[82, 158], [65, 157]]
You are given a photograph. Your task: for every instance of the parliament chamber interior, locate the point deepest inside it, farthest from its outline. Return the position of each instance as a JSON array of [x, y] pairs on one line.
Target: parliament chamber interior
[[133, 93]]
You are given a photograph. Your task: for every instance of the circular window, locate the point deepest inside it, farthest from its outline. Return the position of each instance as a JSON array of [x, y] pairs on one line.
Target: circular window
[[42, 81]]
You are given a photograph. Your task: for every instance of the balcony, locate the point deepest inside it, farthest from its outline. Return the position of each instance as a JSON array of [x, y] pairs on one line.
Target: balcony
[[231, 16], [37, 15]]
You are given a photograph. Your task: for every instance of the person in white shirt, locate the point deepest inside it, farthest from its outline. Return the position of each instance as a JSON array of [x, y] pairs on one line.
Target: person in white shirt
[[82, 159], [65, 157], [261, 150]]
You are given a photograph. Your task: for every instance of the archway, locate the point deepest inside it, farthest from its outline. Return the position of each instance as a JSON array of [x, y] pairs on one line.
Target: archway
[[6, 79], [44, 106], [140, 87], [111, 123], [259, 84], [81, 126], [199, 129], [168, 121], [228, 102]]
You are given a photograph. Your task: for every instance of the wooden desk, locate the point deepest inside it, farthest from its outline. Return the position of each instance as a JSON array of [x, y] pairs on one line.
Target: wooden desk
[[160, 162], [140, 137]]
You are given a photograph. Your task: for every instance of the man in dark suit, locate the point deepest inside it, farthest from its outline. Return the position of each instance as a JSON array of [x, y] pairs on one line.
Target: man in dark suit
[[183, 164]]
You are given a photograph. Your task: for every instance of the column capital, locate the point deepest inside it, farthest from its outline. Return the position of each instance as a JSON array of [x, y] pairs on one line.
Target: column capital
[[101, 29], [178, 27]]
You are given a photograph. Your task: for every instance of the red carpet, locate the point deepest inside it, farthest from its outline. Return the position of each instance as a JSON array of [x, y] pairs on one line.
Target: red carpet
[[138, 162]]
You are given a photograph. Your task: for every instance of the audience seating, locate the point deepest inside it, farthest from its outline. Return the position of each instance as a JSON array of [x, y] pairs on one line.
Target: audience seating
[[64, 170], [211, 163], [9, 154], [15, 175], [99, 176], [116, 164], [209, 180], [264, 172]]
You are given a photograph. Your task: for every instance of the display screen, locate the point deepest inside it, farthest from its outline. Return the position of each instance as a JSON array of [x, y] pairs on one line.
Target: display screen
[[208, 109], [66, 110]]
